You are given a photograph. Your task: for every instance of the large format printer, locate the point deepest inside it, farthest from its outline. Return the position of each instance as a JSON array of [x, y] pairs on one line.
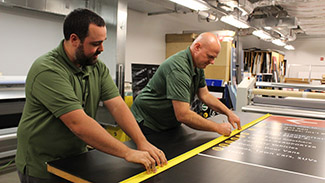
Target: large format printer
[[281, 98], [12, 100]]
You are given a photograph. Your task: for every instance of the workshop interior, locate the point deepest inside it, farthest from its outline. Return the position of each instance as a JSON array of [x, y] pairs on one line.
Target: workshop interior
[[271, 63]]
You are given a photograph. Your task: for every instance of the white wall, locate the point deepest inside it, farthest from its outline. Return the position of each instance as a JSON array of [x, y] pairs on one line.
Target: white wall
[[24, 36], [145, 40], [307, 52]]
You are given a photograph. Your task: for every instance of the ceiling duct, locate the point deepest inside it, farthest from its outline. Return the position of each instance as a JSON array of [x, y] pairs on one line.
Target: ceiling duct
[[275, 19], [208, 16], [289, 22], [271, 16]]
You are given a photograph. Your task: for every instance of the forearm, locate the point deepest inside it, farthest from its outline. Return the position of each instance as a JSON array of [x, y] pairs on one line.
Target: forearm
[[88, 130], [127, 122], [215, 104], [129, 125], [196, 121], [193, 120]]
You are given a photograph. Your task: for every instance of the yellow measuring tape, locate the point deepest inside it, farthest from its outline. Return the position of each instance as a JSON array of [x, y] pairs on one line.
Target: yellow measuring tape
[[144, 175]]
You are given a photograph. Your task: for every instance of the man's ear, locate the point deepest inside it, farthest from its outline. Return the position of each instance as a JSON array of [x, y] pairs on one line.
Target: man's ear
[[74, 39], [197, 46]]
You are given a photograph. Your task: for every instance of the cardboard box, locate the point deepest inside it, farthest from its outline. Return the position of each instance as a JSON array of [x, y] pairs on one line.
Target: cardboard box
[[178, 42], [296, 80], [217, 72], [172, 48], [172, 38], [224, 56]]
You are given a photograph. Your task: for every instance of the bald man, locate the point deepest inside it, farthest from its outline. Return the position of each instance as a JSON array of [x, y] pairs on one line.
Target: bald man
[[165, 101]]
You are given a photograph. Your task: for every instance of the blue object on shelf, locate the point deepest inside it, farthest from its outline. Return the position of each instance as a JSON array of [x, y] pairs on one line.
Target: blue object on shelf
[[214, 82]]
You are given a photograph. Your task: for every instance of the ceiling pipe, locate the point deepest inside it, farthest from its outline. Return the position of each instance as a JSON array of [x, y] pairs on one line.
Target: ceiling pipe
[[209, 17]]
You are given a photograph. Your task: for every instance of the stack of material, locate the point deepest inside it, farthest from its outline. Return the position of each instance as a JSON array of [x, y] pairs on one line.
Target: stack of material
[[323, 79]]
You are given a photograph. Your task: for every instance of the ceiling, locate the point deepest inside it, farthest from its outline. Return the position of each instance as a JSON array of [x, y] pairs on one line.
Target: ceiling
[[310, 15], [301, 18]]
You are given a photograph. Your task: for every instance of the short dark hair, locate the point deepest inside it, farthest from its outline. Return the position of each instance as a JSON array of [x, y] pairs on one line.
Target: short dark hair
[[78, 21]]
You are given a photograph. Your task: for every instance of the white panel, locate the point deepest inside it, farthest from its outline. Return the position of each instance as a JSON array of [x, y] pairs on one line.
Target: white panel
[[26, 35]]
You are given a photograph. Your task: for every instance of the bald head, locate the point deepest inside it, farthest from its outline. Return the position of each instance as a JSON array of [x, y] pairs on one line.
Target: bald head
[[207, 39], [204, 49]]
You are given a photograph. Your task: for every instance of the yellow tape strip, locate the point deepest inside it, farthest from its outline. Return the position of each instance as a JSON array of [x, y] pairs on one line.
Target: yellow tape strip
[[144, 175]]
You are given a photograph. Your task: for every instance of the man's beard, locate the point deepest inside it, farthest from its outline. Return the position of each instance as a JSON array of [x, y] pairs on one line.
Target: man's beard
[[83, 60]]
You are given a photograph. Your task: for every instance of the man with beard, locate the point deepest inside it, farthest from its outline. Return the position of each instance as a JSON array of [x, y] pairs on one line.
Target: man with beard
[[63, 90], [173, 87]]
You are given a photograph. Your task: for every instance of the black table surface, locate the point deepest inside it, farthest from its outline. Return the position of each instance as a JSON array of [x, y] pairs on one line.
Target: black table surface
[[95, 166]]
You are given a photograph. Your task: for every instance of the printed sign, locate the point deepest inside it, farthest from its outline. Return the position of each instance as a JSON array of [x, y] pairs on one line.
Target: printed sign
[[287, 143]]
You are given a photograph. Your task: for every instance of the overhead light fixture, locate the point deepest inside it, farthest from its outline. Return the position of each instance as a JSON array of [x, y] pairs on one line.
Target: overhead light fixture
[[227, 8], [231, 5], [278, 42], [197, 5], [231, 20], [289, 47], [262, 34]]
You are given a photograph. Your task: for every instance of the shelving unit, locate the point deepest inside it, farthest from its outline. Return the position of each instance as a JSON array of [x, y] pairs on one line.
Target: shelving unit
[[265, 62]]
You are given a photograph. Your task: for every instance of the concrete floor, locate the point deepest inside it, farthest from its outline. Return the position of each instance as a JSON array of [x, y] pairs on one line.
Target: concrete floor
[[9, 176]]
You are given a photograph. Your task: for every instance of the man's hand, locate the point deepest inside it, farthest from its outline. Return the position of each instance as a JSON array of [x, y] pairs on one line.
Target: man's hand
[[141, 157], [233, 118], [224, 129], [154, 152]]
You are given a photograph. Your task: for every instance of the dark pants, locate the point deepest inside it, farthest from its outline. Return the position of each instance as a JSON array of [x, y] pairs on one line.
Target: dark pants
[[29, 179], [146, 130]]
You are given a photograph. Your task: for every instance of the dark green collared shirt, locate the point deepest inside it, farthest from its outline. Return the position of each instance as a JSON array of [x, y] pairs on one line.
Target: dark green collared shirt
[[55, 86], [175, 79]]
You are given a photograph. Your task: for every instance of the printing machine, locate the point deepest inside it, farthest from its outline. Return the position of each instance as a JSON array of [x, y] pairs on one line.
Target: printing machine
[[12, 100], [252, 97]]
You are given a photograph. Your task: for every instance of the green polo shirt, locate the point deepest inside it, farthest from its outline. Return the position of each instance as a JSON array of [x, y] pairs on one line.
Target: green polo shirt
[[55, 86], [175, 79]]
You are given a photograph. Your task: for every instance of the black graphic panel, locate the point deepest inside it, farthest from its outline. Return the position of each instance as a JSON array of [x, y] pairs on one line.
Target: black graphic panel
[[292, 144]]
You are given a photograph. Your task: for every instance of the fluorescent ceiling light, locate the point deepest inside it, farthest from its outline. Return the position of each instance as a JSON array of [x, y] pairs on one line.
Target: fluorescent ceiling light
[[262, 34], [289, 47], [231, 20], [227, 8], [278, 42], [193, 4], [231, 4]]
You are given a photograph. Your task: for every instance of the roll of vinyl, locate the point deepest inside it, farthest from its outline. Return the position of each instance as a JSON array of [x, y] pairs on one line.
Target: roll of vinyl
[[288, 93]]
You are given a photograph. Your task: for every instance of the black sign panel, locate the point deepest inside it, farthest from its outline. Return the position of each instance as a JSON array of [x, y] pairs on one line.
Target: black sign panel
[[289, 144]]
